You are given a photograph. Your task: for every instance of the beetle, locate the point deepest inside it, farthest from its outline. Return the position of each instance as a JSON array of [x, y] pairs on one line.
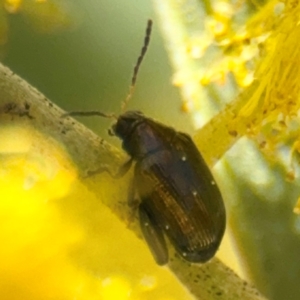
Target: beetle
[[178, 196]]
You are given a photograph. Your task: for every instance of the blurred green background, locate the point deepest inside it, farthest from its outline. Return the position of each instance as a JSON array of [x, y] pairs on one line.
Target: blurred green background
[[87, 63]]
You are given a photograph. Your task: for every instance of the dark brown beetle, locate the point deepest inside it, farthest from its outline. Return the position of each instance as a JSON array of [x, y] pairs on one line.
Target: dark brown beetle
[[177, 193]]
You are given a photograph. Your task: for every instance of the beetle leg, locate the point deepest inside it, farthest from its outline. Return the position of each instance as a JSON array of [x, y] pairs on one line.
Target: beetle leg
[[121, 172], [153, 236], [123, 169], [132, 200], [104, 168]]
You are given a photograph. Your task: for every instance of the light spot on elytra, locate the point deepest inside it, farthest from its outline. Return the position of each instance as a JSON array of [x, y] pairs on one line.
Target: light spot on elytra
[[212, 182], [183, 158], [184, 254], [194, 193], [167, 227]]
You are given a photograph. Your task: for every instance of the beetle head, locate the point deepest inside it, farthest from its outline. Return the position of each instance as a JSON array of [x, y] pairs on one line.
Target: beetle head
[[126, 123]]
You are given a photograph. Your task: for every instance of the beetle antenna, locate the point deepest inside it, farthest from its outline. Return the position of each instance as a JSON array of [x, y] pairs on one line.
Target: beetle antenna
[[89, 114], [132, 85], [138, 63]]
